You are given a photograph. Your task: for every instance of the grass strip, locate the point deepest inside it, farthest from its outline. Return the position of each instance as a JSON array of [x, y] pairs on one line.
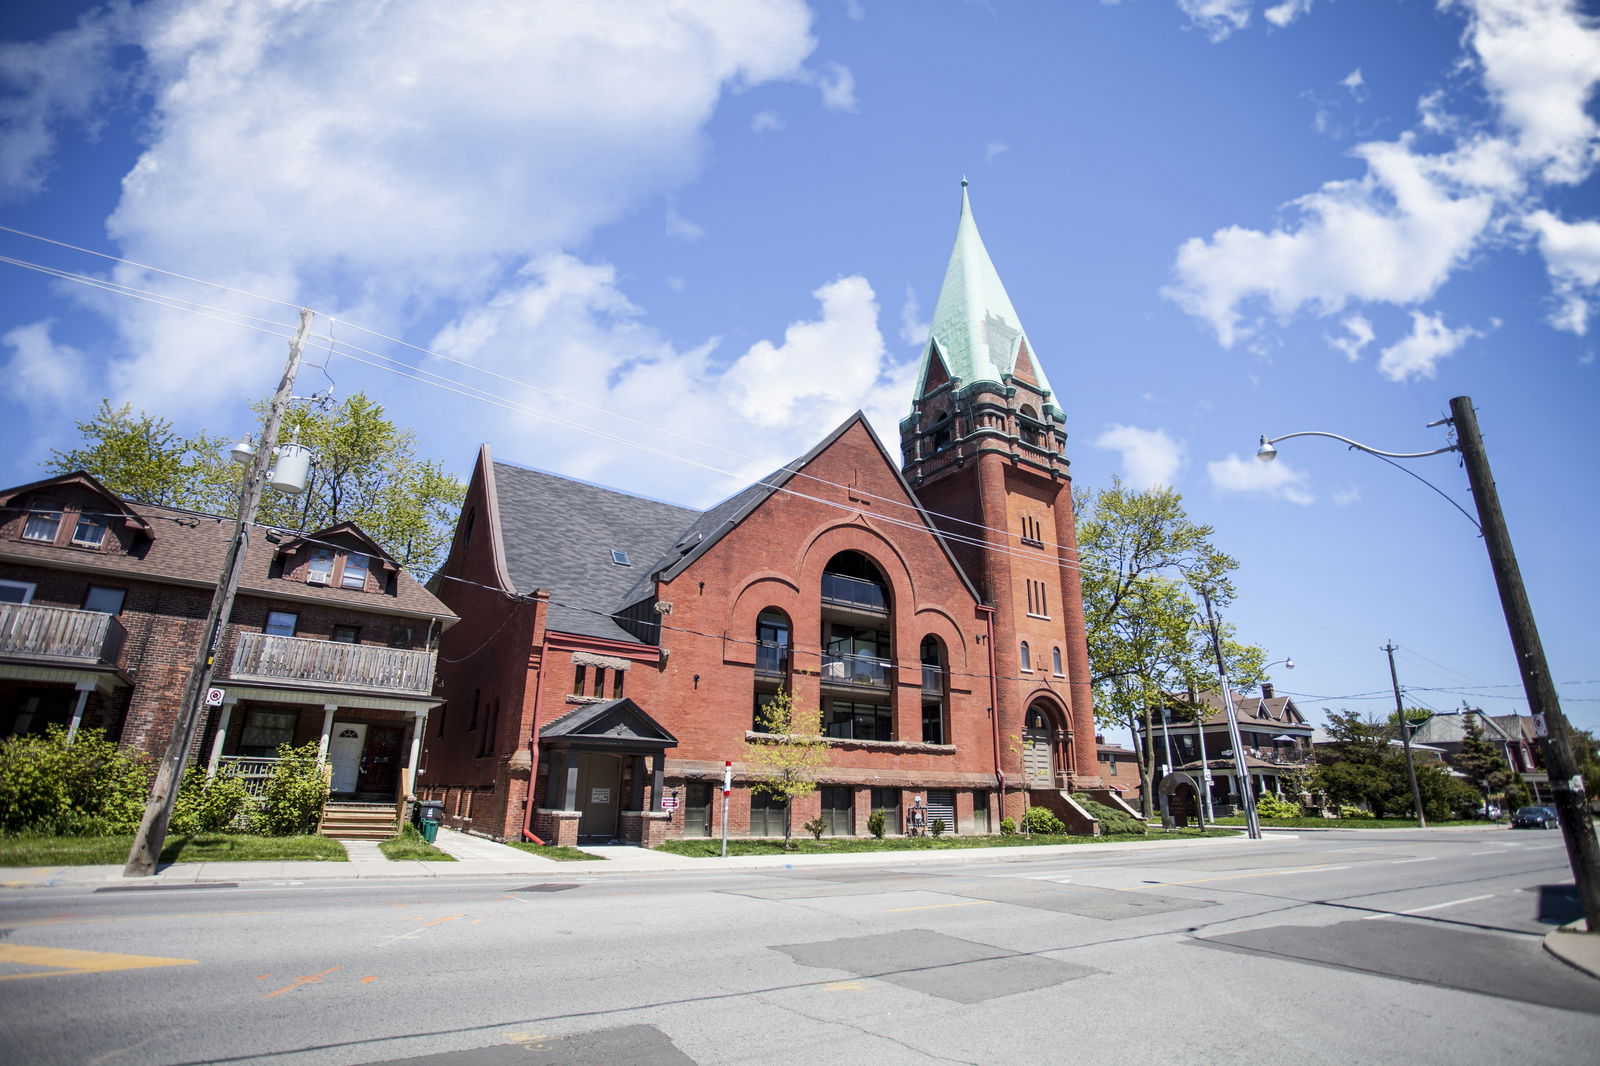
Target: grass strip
[[558, 852], [201, 847], [410, 845], [1343, 823]]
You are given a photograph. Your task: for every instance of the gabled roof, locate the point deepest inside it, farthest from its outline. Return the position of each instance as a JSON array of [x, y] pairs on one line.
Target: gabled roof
[[1253, 712], [975, 329], [559, 534], [618, 723], [347, 530], [114, 504]]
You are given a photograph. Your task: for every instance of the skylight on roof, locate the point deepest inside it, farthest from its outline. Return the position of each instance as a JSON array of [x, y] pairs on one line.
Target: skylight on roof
[[620, 557]]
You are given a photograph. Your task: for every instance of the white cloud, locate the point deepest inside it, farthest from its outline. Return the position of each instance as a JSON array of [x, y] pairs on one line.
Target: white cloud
[[1348, 495], [746, 414], [837, 86], [1359, 332], [44, 85], [855, 10], [374, 159], [1150, 457], [1397, 233], [1356, 83], [1277, 479], [995, 149], [680, 228], [766, 122], [42, 372], [1571, 253], [1220, 19], [1417, 355], [914, 329], [1281, 15]]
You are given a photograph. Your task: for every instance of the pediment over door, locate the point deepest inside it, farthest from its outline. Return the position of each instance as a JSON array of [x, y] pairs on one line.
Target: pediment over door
[[619, 723]]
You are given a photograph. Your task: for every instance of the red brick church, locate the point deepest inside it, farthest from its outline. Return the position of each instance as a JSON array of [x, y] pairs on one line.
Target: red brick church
[[613, 650]]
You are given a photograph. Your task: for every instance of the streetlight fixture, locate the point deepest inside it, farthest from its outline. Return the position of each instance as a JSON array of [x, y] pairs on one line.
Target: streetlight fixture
[[1583, 851]]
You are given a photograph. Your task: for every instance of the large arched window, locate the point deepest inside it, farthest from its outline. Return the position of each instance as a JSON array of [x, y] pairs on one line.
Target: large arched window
[[935, 721], [856, 651], [772, 659]]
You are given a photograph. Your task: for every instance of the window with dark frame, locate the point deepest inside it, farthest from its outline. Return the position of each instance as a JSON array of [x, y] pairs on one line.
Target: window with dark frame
[[104, 600], [319, 571], [616, 683], [346, 634], [16, 592], [264, 731], [281, 623], [580, 675], [400, 636]]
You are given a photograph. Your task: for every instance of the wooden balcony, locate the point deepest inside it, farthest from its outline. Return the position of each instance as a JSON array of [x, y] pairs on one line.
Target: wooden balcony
[[59, 635], [330, 664]]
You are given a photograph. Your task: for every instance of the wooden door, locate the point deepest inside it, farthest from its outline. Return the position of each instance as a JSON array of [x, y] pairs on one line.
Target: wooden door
[[380, 760]]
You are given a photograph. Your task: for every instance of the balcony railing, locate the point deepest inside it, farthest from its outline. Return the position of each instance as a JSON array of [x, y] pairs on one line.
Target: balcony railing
[[264, 657], [854, 592], [60, 634], [859, 671], [932, 679], [772, 660]]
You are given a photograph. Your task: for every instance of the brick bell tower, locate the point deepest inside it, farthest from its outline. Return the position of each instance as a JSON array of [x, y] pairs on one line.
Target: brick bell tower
[[985, 449]]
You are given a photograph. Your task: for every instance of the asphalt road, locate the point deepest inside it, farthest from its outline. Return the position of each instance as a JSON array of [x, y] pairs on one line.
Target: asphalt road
[[1332, 948]]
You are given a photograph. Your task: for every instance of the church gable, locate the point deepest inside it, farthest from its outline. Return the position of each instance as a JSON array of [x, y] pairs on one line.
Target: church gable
[[1023, 370]]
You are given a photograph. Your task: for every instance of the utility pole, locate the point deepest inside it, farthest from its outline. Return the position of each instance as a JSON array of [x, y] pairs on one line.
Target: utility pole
[[1241, 769], [1571, 799], [1405, 738], [147, 843]]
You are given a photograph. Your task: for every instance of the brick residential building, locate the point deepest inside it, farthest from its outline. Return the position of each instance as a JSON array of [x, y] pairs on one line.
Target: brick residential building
[[102, 607], [614, 650]]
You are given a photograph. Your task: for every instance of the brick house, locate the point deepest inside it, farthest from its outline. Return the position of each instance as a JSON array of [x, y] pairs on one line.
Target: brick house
[[102, 606], [1277, 743], [614, 650]]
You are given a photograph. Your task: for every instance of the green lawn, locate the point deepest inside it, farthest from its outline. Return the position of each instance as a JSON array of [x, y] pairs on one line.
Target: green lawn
[[1344, 823], [204, 847], [410, 845], [558, 852], [839, 845]]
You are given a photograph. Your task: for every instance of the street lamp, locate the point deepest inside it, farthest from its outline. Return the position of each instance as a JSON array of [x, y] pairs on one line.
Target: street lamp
[[1583, 851]]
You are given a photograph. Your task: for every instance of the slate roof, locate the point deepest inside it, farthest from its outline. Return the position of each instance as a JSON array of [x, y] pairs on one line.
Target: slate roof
[[188, 548], [559, 533], [1451, 728]]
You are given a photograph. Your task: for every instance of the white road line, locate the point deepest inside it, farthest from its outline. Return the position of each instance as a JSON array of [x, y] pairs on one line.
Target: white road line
[[1314, 870], [1430, 907], [1430, 858], [1471, 853]]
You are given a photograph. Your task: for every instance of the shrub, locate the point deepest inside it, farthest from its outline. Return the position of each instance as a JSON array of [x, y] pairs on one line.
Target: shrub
[[875, 823], [815, 828], [1271, 806], [1007, 826], [938, 827], [1042, 820], [1346, 811], [208, 805], [294, 793], [1517, 795], [88, 788], [1111, 820]]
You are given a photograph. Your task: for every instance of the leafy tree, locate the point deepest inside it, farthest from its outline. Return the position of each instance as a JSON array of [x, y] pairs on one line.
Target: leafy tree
[[364, 470], [141, 457], [1359, 765], [787, 755], [1145, 565], [1486, 768]]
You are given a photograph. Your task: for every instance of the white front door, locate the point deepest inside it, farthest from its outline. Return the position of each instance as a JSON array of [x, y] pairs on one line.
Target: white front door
[[344, 753]]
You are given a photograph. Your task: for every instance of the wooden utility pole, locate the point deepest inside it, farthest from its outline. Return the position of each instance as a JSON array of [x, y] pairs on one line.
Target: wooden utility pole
[[147, 843], [1572, 804], [1405, 738]]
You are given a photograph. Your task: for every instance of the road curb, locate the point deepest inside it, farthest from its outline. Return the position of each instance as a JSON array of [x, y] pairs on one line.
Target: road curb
[[1576, 947]]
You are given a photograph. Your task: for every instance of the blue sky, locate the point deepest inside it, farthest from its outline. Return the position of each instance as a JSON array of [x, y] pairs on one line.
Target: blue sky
[[709, 231]]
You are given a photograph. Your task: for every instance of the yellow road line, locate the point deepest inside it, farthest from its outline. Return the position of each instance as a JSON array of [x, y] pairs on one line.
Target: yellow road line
[[70, 961], [941, 906]]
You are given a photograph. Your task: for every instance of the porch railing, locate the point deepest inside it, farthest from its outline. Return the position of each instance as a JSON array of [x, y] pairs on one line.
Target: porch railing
[[253, 770], [265, 657], [60, 633]]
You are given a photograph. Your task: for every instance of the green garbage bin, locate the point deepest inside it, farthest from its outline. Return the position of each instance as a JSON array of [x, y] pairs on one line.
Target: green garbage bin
[[429, 814], [430, 831]]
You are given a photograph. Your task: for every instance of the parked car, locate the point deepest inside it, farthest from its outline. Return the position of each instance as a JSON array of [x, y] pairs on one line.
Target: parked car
[[1535, 818]]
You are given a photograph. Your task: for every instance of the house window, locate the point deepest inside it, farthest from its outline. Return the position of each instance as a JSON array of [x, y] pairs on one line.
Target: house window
[[355, 571], [838, 810], [599, 681], [580, 675], [933, 698], [616, 683], [399, 636], [90, 532], [1055, 661], [859, 721], [1027, 661], [42, 525], [264, 731], [281, 623], [320, 569], [104, 600], [980, 812], [16, 592], [346, 635]]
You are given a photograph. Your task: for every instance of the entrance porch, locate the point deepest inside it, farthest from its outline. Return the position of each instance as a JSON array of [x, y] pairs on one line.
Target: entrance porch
[[600, 776]]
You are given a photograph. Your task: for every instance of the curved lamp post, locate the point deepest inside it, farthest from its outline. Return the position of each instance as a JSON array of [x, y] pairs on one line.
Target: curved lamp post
[[1583, 852]]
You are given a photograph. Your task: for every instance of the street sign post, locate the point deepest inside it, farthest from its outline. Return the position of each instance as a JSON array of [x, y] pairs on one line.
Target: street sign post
[[727, 787]]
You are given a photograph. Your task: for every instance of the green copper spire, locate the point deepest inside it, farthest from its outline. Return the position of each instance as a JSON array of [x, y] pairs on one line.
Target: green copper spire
[[975, 328]]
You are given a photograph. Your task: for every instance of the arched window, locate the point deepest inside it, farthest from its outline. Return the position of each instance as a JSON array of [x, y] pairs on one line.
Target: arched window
[[941, 432], [772, 659], [935, 726], [1028, 425], [1025, 658], [857, 675], [1055, 661]]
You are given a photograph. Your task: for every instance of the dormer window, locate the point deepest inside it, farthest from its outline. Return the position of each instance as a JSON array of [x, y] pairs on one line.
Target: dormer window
[[320, 570], [90, 532], [42, 525], [355, 571]]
